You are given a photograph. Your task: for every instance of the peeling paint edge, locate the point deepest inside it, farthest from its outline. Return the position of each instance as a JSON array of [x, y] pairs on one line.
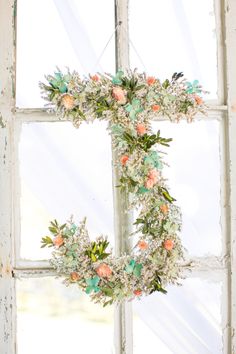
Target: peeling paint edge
[[2, 123]]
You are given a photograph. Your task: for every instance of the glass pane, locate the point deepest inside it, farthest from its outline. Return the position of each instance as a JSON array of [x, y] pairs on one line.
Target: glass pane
[[194, 180], [52, 33], [52, 318], [64, 171], [185, 321], [171, 36]]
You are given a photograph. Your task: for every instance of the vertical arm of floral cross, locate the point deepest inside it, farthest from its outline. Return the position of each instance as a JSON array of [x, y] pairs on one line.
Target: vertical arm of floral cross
[[123, 220]]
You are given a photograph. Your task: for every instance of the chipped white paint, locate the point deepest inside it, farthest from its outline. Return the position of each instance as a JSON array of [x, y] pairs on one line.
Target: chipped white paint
[[220, 39], [225, 304], [16, 190], [230, 43], [7, 104]]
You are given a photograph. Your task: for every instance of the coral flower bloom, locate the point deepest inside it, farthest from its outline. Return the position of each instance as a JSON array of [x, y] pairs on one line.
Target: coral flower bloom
[[124, 159], [168, 245], [141, 129], [119, 95], [151, 80], [164, 208], [95, 78], [152, 179], [138, 292], [199, 100], [149, 183], [142, 245], [74, 276], [68, 101], [58, 241], [155, 107], [103, 271], [153, 174]]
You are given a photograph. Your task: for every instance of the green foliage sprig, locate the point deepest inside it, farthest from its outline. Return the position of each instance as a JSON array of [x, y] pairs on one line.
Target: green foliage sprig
[[97, 251]]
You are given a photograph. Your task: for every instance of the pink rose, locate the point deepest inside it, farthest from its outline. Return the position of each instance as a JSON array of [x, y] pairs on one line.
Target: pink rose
[[58, 241], [103, 270], [199, 100], [151, 179], [155, 107], [142, 245], [141, 129], [95, 77], [153, 174], [138, 292], [124, 159], [168, 245], [149, 183], [74, 276], [164, 208], [151, 80], [119, 95], [68, 101]]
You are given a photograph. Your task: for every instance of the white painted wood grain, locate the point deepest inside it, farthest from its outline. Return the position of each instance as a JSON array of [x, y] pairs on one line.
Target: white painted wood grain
[[122, 221], [7, 104], [230, 55]]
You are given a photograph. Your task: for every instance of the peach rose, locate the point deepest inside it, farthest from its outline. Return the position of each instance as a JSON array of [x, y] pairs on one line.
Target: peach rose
[[199, 100], [150, 80], [168, 245], [124, 159], [95, 78], [151, 179], [137, 292], [119, 95], [153, 174], [68, 101], [149, 183], [74, 276], [142, 245], [103, 270], [164, 208], [58, 240], [141, 129], [155, 107]]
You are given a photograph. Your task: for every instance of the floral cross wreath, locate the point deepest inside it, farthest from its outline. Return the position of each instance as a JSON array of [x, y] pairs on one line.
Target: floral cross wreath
[[129, 102]]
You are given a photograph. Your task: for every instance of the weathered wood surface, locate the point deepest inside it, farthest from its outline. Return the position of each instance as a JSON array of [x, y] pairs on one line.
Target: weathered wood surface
[[230, 55], [7, 103]]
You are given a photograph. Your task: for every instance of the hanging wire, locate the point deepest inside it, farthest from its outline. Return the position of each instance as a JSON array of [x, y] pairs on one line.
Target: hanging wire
[[134, 48], [138, 55], [108, 42], [131, 44]]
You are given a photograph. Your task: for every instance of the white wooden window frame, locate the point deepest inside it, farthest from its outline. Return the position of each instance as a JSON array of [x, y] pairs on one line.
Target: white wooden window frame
[[11, 119]]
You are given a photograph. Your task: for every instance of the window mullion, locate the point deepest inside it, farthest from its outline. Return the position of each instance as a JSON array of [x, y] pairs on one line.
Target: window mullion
[[122, 219], [219, 18], [7, 106], [230, 53], [28, 115]]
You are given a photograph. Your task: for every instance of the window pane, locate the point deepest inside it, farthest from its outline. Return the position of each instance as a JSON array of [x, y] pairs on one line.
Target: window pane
[[52, 318], [64, 171], [186, 320], [52, 33], [174, 36], [194, 180]]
